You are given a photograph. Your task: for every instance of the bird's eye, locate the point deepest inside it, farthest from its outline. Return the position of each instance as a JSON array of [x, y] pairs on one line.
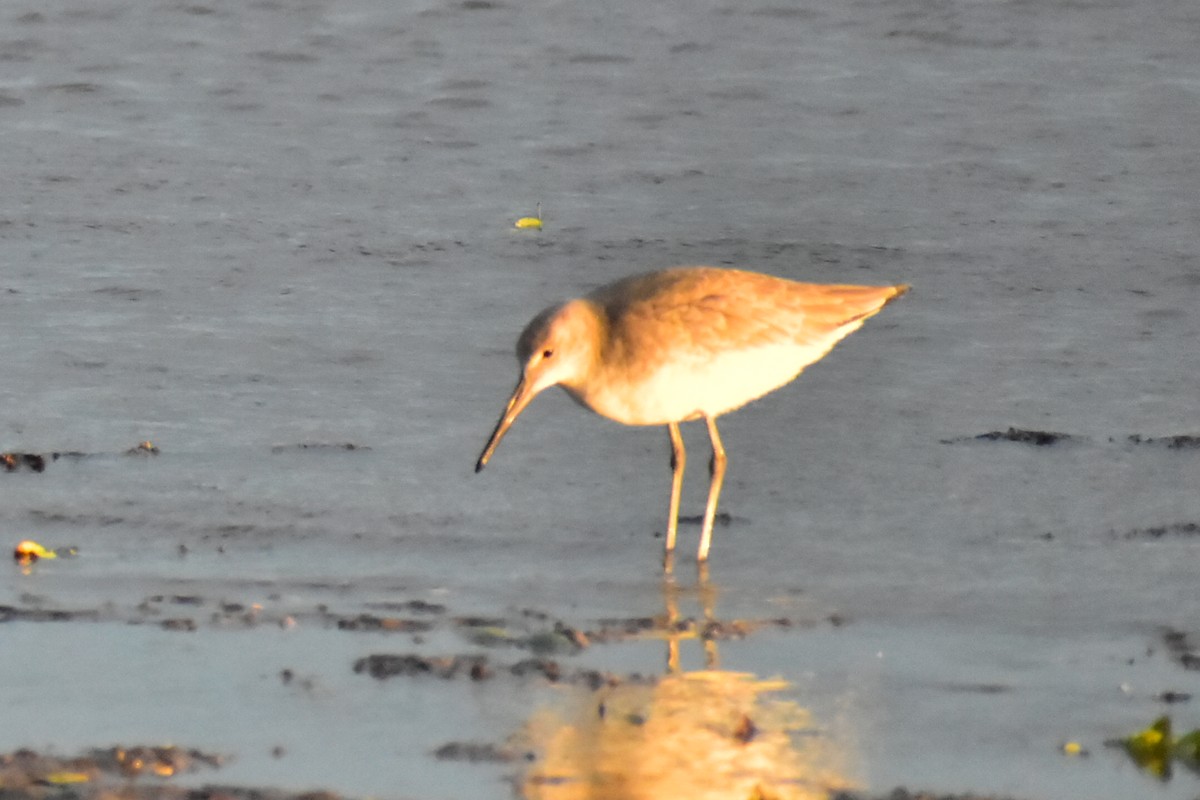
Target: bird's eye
[[547, 353]]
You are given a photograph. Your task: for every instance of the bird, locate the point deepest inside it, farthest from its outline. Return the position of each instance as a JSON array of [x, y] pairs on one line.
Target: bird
[[683, 344]]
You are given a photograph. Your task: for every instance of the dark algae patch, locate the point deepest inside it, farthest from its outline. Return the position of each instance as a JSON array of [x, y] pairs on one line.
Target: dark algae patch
[[134, 773], [382, 666], [370, 622], [900, 793], [1184, 441], [318, 447], [1181, 648], [476, 752], [1185, 529], [36, 462], [1020, 435], [1038, 438], [11, 462]]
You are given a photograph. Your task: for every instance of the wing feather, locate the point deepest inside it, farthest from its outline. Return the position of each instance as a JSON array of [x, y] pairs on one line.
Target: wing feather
[[692, 313]]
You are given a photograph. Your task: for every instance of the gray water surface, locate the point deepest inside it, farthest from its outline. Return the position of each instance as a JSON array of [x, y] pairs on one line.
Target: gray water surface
[[242, 230]]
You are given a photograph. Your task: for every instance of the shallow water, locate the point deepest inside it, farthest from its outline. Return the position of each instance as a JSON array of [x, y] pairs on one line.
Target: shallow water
[[242, 230]]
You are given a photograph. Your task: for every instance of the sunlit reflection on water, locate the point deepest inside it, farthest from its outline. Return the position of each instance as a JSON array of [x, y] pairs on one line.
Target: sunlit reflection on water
[[702, 734]]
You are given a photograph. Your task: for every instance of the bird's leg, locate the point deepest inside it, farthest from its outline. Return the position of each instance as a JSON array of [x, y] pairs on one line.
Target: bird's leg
[[717, 468], [678, 462], [708, 601]]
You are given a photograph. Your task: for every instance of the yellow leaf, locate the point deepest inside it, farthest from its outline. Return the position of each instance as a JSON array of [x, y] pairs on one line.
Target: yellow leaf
[[534, 222], [67, 777]]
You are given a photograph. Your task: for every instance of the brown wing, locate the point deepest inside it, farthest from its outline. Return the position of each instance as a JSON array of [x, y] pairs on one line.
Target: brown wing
[[707, 310]]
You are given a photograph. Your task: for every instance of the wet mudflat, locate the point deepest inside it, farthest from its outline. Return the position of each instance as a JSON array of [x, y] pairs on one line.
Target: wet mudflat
[[276, 240]]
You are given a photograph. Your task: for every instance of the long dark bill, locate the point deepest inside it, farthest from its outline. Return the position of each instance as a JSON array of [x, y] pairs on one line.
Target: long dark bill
[[516, 404]]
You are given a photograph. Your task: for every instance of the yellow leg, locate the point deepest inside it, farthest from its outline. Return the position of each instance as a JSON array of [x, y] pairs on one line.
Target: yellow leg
[[678, 462], [717, 466]]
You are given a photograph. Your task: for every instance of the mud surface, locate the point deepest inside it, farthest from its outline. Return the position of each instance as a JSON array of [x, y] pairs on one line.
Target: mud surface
[[276, 240]]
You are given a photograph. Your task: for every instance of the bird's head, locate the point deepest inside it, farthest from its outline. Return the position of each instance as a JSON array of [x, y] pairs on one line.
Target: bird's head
[[558, 346]]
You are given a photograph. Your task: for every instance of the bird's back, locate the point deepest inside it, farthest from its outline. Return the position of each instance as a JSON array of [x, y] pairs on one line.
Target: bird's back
[[703, 340]]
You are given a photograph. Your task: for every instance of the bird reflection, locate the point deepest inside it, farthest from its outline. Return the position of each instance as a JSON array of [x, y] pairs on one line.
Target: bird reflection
[[698, 735]]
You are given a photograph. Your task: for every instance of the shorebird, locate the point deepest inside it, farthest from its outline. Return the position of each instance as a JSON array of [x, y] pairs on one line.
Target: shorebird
[[682, 344]]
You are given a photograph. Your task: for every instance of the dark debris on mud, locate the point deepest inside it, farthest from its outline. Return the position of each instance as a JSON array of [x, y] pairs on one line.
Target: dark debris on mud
[[157, 792], [1178, 442], [900, 793], [28, 766], [1036, 438], [318, 447], [109, 773], [477, 667], [559, 638], [529, 630], [1181, 648], [1183, 529], [480, 752], [11, 462], [17, 614], [15, 461], [414, 606], [370, 622], [36, 462], [1019, 435]]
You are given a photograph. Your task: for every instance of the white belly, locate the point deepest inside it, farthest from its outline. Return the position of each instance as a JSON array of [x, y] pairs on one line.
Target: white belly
[[686, 389]]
